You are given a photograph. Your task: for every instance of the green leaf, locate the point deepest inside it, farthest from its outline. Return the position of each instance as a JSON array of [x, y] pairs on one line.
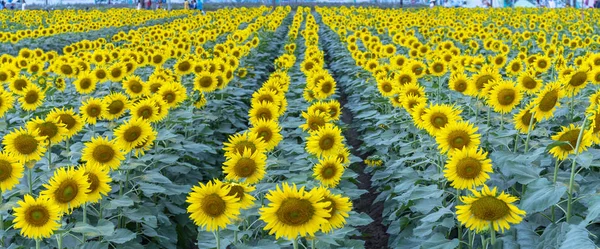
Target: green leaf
[[555, 144], [104, 228], [155, 177], [593, 204], [356, 219], [150, 189], [123, 201], [120, 236], [439, 241], [577, 237], [541, 194]]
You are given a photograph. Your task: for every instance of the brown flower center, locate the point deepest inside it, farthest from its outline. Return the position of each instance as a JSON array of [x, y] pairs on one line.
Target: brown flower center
[[295, 212], [245, 167], [489, 208], [213, 205]]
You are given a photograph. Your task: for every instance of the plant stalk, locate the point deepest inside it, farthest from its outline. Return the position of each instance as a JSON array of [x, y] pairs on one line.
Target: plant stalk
[[492, 236], [37, 243], [529, 132], [573, 165], [218, 239], [554, 178], [295, 243]]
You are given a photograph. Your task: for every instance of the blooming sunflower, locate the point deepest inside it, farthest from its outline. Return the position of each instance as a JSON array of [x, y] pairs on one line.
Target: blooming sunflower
[[10, 171], [239, 142], [327, 141], [85, 83], [467, 168], [456, 136], [117, 72], [7, 102], [72, 121], [92, 110], [528, 82], [25, 145], [100, 73], [53, 130], [505, 97], [576, 81], [486, 208], [523, 118], [205, 82], [67, 188], [514, 67], [329, 171], [116, 103], [37, 218], [569, 135], [172, 94], [211, 206], [412, 89], [132, 133], [145, 109], [438, 68], [135, 87], [386, 87], [242, 192], [547, 100], [264, 110], [103, 153], [460, 83], [268, 131], [266, 95], [247, 166], [482, 78], [339, 207], [146, 145], [438, 116], [314, 120], [292, 212], [99, 180], [32, 97], [18, 84], [325, 88], [334, 109]]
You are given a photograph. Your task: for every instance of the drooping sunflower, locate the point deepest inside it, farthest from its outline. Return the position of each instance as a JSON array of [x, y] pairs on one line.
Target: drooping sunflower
[[135, 87], [268, 131], [67, 188], [314, 120], [205, 82], [162, 108], [52, 130], [239, 142], [132, 133], [69, 118], [456, 136], [505, 97], [524, 118], [329, 171], [570, 135], [595, 127], [468, 168], [248, 167], [211, 207], [263, 110], [339, 207], [10, 171], [85, 83], [487, 208], [32, 97], [325, 142], [292, 212], [92, 110], [242, 192], [116, 104], [529, 83], [438, 116], [102, 152], [99, 180], [548, 100], [173, 94], [343, 156], [37, 218], [25, 145], [200, 101]]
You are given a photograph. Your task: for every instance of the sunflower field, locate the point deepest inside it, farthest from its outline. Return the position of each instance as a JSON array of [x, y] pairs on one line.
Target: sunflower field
[[280, 127]]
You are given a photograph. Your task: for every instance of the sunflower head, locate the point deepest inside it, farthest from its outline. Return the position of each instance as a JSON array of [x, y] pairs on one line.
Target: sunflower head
[[487, 208], [211, 206], [37, 218], [67, 188]]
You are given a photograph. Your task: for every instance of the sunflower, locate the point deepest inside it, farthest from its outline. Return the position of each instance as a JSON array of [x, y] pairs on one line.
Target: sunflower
[[183, 66], [85, 83], [18, 84], [343, 156], [460, 83], [548, 100], [405, 77], [116, 103], [315, 119], [173, 94], [146, 145], [264, 110], [200, 100], [10, 172], [480, 80], [576, 81], [7, 102], [438, 116], [72, 121], [67, 188], [37, 218], [514, 67], [292, 212], [487, 208], [523, 118], [145, 109], [211, 206], [528, 82], [413, 89], [52, 130], [411, 101], [456, 136], [117, 72], [467, 168], [103, 153], [327, 141], [595, 127], [92, 110], [266, 95], [329, 171], [241, 191], [101, 74], [238, 143], [205, 82], [132, 133], [25, 145], [325, 88], [135, 87], [339, 207], [247, 166], [162, 108], [60, 84], [386, 87], [437, 68], [569, 136], [32, 97], [99, 179], [542, 64], [505, 97], [268, 131]]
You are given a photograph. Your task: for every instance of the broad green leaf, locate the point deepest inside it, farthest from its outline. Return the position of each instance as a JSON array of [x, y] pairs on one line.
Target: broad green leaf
[[577, 237], [123, 201], [439, 241], [150, 189], [542, 194], [120, 236]]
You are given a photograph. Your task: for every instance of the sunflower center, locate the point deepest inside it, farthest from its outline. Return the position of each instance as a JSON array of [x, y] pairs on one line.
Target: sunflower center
[[316, 122], [103, 153], [461, 86], [133, 133], [387, 87], [326, 142], [26, 144], [468, 168], [265, 98], [506, 96], [245, 167], [184, 66], [213, 205], [169, 97], [31, 97], [116, 106], [439, 120], [549, 101], [20, 84], [542, 64], [3, 76], [116, 72], [101, 74], [66, 69], [237, 191], [85, 83], [93, 111], [264, 113], [526, 118], [489, 208], [145, 112], [243, 145], [5, 170], [529, 83], [404, 79], [326, 87], [515, 67], [596, 128], [459, 139], [155, 87], [295, 212], [482, 81], [67, 191], [94, 182], [438, 68], [37, 216], [328, 171], [205, 82], [265, 134], [67, 120], [578, 79], [48, 129], [570, 137]]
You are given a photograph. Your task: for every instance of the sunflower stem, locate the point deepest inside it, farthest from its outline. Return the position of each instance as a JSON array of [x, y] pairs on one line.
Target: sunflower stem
[[492, 236], [59, 240], [471, 239], [516, 142], [554, 178], [313, 243], [29, 179], [37, 244], [84, 207], [529, 132], [49, 155], [218, 239], [502, 121], [295, 243], [573, 165]]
